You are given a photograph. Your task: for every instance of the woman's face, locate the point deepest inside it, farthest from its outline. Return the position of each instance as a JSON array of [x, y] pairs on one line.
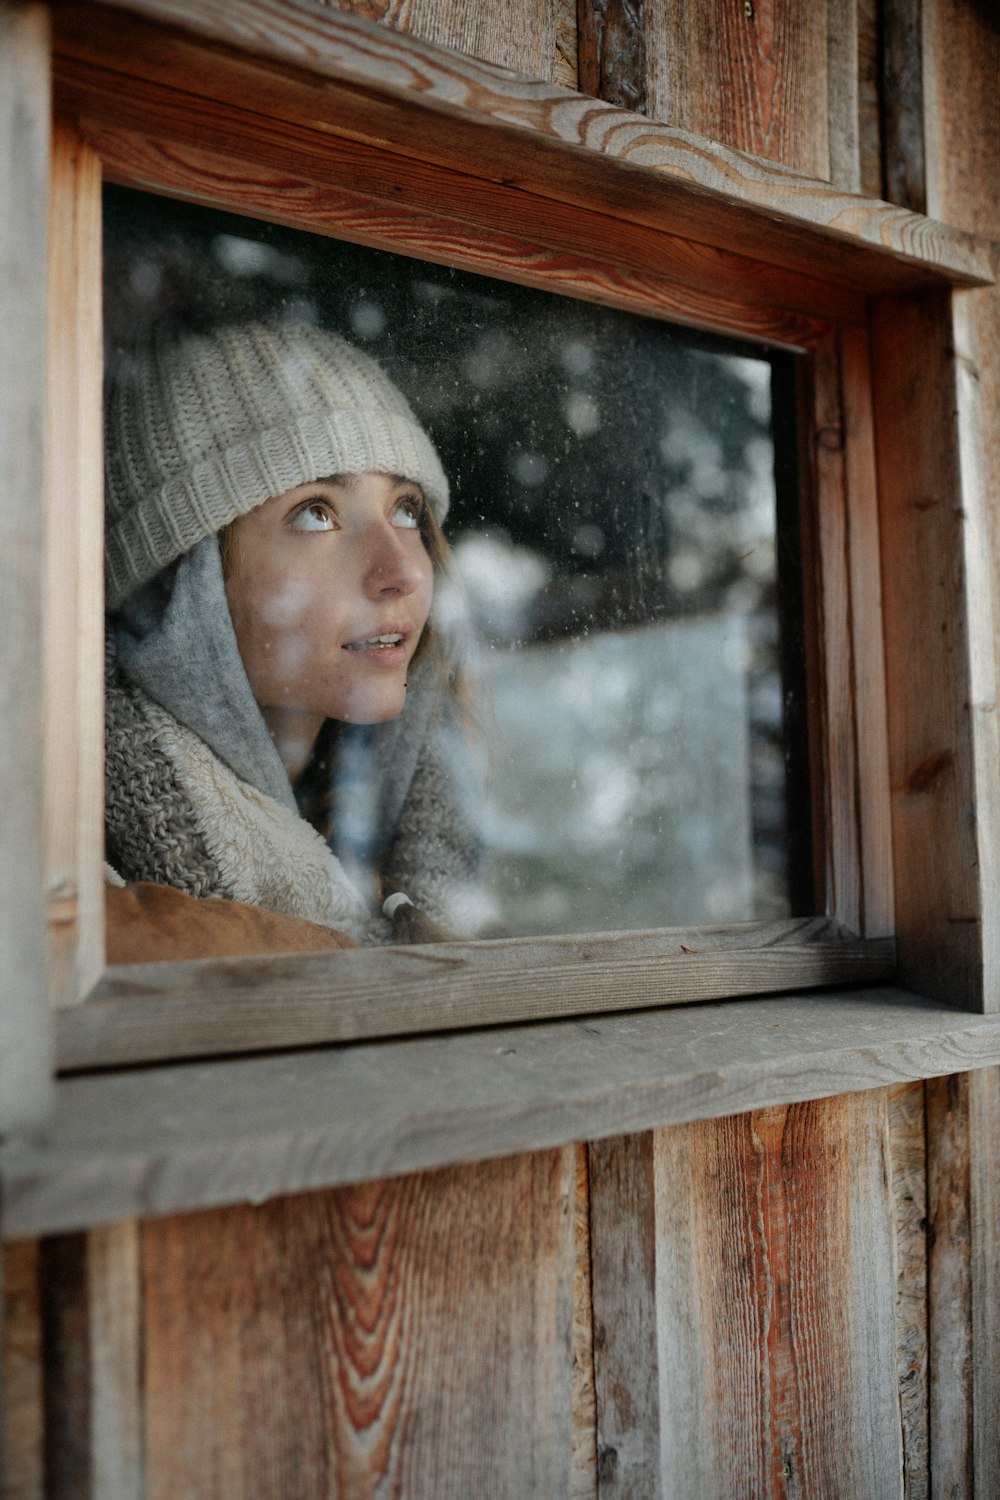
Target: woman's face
[[329, 588]]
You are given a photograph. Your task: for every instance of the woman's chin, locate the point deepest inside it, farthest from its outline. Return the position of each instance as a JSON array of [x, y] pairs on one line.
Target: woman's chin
[[372, 707]]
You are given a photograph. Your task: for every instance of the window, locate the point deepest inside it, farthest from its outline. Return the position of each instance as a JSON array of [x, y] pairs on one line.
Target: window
[[633, 663], [268, 161]]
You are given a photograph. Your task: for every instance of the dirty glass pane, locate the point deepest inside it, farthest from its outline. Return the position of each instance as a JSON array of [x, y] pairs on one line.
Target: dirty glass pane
[[626, 605]]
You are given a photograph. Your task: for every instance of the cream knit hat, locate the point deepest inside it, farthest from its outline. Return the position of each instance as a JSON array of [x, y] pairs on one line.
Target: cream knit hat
[[201, 428]]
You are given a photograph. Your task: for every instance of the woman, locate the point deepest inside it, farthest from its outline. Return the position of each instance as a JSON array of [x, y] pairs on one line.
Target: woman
[[277, 734]]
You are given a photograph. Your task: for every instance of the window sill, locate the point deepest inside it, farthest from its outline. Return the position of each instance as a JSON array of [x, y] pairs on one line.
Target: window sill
[[160, 1140]]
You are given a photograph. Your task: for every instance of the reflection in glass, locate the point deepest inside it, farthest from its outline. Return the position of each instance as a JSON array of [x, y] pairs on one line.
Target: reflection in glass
[[632, 659]]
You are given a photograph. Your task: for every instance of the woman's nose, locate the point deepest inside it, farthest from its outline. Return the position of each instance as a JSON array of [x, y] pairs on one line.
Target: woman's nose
[[390, 568]]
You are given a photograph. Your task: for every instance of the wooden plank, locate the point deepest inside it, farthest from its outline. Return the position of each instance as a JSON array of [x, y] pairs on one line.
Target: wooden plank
[[566, 71], [851, 777], [520, 34], [202, 1008], [583, 1454], [25, 1032], [984, 1206], [876, 916], [74, 572], [21, 1471], [612, 52], [963, 186], [939, 644], [66, 1363], [777, 1343], [624, 1248], [949, 1307], [843, 94], [752, 77], [838, 770], [156, 138], [409, 1338], [906, 1160], [869, 99], [903, 104], [114, 1316], [162, 1139], [300, 63]]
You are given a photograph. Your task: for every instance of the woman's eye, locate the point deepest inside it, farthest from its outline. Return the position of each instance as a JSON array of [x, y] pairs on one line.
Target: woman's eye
[[314, 516], [408, 511]]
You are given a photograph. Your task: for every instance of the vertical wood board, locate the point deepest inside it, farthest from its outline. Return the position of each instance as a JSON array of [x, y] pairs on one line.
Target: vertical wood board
[[949, 1310], [903, 104], [750, 76], [906, 1158], [583, 1482], [843, 93], [984, 1208], [612, 52], [869, 99], [114, 1313], [407, 1337], [938, 636], [626, 1355], [868, 687], [830, 530], [775, 1298], [21, 1456], [25, 1025], [74, 576]]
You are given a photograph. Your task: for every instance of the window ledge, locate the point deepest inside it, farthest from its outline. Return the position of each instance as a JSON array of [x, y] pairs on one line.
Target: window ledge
[[160, 1140]]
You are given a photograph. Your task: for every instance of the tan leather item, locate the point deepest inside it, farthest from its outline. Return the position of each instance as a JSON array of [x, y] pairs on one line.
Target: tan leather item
[[146, 923]]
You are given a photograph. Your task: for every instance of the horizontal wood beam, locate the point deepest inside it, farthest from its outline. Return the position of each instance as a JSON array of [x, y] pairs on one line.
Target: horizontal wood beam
[[162, 1140], [338, 73], [204, 1008]]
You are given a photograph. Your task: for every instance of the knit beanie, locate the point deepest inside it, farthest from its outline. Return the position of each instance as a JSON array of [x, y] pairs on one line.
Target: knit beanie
[[202, 427]]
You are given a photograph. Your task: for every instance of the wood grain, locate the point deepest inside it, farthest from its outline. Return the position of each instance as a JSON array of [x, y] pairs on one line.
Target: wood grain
[[335, 72], [162, 1139], [583, 1456], [21, 1438], [115, 1338], [939, 651], [906, 1160], [877, 915], [984, 1203], [777, 1341], [156, 138], [949, 1302], [25, 1035], [68, 1457], [752, 77], [612, 52], [409, 1338], [202, 1008], [624, 1249], [843, 91], [870, 99], [520, 34], [903, 104], [838, 771], [566, 72], [74, 572]]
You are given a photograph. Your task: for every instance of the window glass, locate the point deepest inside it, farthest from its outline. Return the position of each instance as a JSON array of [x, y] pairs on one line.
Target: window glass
[[620, 627]]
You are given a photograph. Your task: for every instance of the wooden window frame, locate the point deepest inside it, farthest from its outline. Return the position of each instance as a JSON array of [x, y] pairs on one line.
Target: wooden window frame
[[332, 124]]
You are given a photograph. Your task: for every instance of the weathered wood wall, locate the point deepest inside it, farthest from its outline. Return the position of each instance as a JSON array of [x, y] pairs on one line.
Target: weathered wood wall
[[802, 1301]]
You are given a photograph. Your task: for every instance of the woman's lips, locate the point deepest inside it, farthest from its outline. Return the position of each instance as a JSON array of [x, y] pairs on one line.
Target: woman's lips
[[388, 646]]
